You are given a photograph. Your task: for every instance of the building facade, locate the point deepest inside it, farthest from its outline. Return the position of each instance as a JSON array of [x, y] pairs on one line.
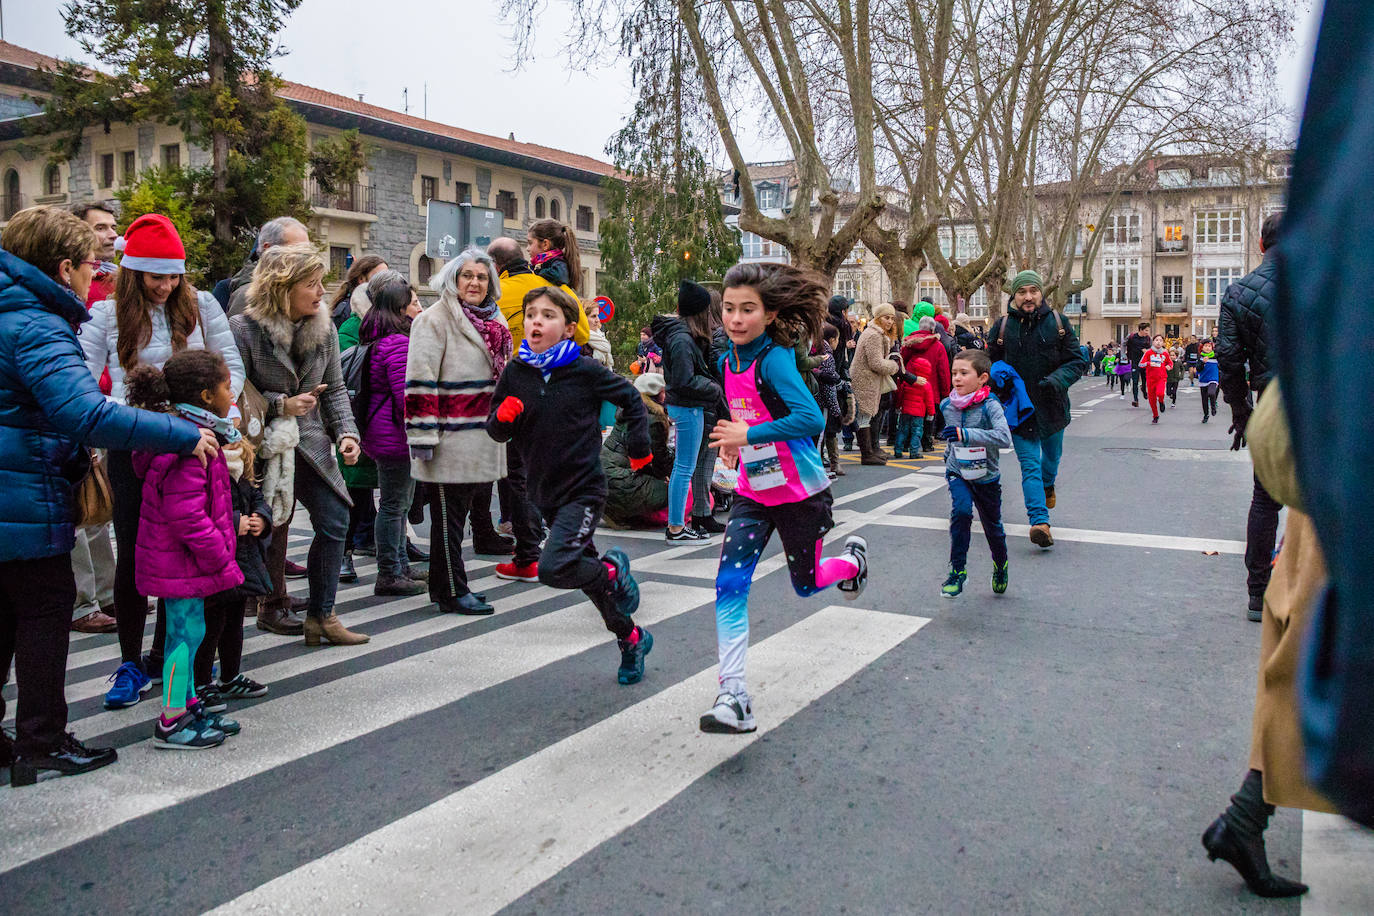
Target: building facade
[[411, 160]]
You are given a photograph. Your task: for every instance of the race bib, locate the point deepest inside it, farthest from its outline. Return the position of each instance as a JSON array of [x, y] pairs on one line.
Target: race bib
[[761, 466], [972, 461]]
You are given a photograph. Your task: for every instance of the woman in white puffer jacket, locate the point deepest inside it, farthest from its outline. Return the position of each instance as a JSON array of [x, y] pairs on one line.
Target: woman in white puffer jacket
[[153, 314]]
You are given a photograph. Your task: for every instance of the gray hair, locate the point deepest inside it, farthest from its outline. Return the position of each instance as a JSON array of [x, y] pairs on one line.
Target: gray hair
[[445, 282], [926, 325], [386, 287], [273, 232]]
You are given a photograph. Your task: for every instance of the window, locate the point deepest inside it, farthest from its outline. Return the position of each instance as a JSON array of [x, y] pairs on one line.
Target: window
[[933, 289], [507, 204], [1227, 176], [946, 239], [584, 219], [1173, 232], [966, 246], [171, 156], [1171, 332], [758, 247], [1122, 330], [1173, 291], [129, 172], [1218, 227], [555, 209], [339, 258], [52, 180], [13, 201], [850, 285], [978, 305], [1122, 228], [1174, 178], [424, 269], [1283, 171], [107, 176], [1120, 281], [768, 197], [1210, 284], [539, 208], [429, 189], [462, 192], [1073, 304]]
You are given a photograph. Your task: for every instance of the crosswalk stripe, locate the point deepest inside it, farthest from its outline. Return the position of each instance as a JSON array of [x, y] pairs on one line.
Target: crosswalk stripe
[[525, 823], [56, 814], [1084, 535]]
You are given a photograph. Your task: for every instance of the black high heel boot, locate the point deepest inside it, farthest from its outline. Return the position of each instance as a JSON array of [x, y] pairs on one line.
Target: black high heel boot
[[1244, 848]]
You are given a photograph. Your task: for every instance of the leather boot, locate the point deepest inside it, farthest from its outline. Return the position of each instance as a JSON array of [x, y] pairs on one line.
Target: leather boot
[[832, 445], [332, 631], [875, 437], [866, 454], [280, 621]]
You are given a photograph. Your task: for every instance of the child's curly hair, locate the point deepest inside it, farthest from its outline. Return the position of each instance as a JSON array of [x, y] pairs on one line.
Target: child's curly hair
[[180, 380], [796, 296]]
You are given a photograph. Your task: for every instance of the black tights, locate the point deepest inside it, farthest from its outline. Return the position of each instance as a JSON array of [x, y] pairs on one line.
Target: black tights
[[223, 634]]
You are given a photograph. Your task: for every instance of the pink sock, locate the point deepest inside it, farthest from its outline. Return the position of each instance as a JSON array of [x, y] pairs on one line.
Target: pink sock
[[610, 571], [634, 637]]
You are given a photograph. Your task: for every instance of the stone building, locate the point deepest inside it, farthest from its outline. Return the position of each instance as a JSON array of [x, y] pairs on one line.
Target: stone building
[[411, 161]]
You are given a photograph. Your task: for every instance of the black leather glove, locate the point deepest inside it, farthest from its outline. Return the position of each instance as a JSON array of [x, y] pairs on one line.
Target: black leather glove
[[1240, 418]]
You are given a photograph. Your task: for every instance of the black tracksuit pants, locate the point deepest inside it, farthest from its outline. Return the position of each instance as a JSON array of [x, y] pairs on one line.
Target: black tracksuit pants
[[570, 559]]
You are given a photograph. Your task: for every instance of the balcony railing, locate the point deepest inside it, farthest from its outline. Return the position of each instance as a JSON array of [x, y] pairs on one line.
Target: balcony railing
[[10, 204], [356, 198], [1173, 246]]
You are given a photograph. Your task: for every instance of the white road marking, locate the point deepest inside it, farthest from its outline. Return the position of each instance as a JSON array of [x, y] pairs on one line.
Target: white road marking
[[60, 812], [1084, 535], [504, 835], [1338, 864]]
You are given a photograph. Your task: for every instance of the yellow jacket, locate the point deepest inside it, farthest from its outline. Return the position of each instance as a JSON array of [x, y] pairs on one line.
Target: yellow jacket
[[513, 290]]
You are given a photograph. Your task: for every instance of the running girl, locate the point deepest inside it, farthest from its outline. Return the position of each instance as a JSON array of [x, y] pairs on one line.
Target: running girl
[[767, 309], [1156, 362]]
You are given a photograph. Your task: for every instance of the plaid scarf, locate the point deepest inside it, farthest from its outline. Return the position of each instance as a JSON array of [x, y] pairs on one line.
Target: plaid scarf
[[494, 334]]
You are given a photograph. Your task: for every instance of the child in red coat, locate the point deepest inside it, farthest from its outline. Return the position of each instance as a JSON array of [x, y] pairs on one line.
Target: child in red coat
[[1156, 362], [917, 398]]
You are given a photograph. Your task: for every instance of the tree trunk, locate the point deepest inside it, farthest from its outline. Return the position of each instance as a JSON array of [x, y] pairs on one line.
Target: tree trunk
[[218, 44]]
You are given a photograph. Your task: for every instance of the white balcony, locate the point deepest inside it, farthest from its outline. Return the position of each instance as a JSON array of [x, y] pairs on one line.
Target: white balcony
[[1207, 311], [1121, 310]]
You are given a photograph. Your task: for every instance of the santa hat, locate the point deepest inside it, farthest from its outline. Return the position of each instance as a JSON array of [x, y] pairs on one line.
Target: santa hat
[[151, 244]]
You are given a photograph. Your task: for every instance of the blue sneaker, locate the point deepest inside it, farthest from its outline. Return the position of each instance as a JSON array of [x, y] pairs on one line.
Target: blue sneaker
[[625, 590], [130, 683], [632, 657], [215, 720], [188, 733]]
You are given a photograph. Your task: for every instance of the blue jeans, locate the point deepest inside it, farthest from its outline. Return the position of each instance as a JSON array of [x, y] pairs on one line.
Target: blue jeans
[[1039, 460], [329, 518], [690, 423], [909, 430], [987, 496], [398, 488]]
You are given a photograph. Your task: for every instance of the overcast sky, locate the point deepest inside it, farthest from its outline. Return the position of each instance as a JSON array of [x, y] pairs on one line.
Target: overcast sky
[[381, 48]]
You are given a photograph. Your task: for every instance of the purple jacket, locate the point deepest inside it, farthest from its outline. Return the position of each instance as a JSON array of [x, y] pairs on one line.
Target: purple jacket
[[186, 536], [383, 420]]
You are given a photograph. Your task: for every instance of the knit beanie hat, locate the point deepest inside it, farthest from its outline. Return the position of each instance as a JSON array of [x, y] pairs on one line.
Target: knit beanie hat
[[925, 309], [884, 309], [837, 305], [1027, 278], [692, 299], [650, 384], [942, 321], [151, 244]]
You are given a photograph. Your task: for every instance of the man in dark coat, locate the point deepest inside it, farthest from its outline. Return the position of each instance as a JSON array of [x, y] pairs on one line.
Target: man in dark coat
[[1136, 345], [1243, 344], [1040, 345]]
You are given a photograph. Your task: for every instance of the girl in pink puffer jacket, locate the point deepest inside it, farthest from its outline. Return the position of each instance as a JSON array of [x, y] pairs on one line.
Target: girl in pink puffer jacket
[[186, 537]]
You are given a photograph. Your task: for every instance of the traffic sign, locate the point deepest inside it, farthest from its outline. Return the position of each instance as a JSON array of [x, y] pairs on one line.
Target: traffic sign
[[605, 308], [450, 227]]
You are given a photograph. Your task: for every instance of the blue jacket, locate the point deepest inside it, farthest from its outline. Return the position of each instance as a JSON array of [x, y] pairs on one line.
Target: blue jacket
[[1011, 391], [50, 406]]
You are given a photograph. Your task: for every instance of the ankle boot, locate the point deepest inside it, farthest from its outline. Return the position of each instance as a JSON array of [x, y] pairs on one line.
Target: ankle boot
[[332, 631], [1238, 837], [866, 453], [875, 438]]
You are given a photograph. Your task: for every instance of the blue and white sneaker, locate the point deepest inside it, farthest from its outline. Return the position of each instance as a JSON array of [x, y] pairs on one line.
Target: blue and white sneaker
[[130, 683], [632, 657], [188, 733], [731, 714], [625, 590], [222, 723]]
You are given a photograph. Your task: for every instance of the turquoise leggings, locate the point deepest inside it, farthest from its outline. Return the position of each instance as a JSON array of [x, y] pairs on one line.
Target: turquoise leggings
[[185, 630]]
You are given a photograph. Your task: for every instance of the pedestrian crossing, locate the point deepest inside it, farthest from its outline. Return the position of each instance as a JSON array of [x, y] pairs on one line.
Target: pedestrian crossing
[[417, 665]]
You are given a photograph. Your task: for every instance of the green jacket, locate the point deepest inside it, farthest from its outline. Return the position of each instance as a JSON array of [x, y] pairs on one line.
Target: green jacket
[[363, 475]]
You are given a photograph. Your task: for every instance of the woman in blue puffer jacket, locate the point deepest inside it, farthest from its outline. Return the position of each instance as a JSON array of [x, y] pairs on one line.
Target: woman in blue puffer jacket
[[51, 411]]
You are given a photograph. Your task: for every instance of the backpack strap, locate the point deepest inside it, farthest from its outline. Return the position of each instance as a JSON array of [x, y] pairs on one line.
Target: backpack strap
[[1060, 320], [1001, 331]]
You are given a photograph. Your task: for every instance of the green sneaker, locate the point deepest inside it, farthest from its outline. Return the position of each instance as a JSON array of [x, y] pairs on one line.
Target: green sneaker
[[1000, 577], [954, 584]]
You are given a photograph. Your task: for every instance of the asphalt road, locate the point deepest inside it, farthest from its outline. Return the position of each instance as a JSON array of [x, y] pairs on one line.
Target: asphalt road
[[1058, 749]]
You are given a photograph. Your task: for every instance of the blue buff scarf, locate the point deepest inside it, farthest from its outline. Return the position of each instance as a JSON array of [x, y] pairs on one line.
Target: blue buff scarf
[[220, 426], [560, 354]]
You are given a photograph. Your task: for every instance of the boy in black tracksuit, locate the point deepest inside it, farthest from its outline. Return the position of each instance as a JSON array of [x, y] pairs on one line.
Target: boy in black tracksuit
[[548, 403]]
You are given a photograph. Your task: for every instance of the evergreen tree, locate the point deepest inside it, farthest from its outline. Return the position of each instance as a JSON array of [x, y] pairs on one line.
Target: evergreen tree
[[204, 67], [664, 222]]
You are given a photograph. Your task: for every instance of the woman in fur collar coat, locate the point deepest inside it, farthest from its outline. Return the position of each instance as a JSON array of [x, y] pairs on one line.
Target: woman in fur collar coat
[[291, 353]]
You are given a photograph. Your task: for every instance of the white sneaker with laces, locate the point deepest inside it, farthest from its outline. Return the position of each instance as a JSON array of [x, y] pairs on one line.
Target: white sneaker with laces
[[732, 714]]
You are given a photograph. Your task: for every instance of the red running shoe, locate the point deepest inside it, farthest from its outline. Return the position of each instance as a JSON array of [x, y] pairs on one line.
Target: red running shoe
[[527, 573], [295, 570]]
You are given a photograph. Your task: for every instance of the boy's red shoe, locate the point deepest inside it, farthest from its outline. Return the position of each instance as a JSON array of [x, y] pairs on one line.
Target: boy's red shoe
[[527, 573]]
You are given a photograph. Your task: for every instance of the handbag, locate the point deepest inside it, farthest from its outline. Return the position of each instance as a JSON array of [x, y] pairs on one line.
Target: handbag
[[93, 499], [253, 407], [886, 384]]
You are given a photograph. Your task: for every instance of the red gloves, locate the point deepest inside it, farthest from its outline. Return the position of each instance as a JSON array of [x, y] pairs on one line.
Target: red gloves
[[510, 409], [637, 463]]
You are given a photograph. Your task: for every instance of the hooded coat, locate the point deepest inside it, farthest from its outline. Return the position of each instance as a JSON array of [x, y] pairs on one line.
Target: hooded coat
[[51, 409], [186, 542], [930, 348], [918, 400], [631, 494], [1047, 361], [687, 373]]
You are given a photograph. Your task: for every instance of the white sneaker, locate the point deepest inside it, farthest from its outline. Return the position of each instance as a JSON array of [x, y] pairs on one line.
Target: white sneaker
[[731, 714], [857, 548]]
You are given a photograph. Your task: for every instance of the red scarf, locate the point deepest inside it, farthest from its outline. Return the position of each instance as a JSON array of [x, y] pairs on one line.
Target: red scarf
[[547, 256]]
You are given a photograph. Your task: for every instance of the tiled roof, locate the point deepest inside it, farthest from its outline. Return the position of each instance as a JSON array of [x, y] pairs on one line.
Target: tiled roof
[[23, 57]]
